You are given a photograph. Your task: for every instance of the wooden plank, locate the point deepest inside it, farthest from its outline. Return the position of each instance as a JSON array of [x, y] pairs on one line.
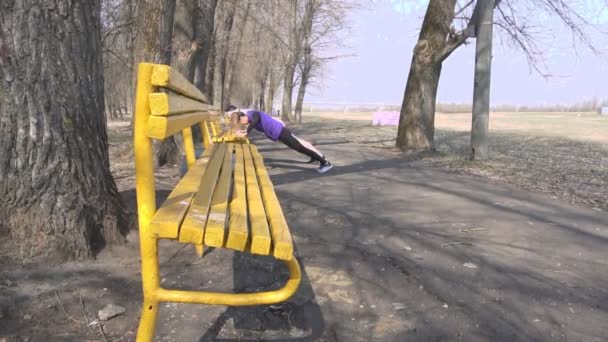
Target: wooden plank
[[161, 127], [215, 230], [192, 229], [170, 215], [281, 237], [173, 103], [260, 235], [238, 230], [168, 77]]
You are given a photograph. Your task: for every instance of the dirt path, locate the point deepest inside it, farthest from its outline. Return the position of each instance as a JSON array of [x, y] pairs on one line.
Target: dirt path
[[391, 249]]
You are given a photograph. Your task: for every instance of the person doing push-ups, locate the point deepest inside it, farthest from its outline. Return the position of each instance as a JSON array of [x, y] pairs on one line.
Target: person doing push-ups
[[275, 130]]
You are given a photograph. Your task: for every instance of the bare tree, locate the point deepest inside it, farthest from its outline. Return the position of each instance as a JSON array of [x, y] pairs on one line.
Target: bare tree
[[291, 61], [446, 26], [59, 198], [323, 28]]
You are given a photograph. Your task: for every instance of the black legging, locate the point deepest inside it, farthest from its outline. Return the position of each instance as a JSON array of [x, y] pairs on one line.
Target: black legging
[[288, 139]]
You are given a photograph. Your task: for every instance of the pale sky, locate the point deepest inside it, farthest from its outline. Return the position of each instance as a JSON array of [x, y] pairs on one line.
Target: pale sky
[[383, 36]]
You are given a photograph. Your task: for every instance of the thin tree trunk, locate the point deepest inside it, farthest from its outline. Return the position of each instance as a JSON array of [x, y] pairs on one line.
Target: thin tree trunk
[[292, 61], [262, 92], [300, 99], [59, 199], [417, 119], [287, 92], [271, 90]]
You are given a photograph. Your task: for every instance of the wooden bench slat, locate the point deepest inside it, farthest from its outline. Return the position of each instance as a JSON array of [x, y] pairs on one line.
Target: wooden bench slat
[[260, 234], [173, 103], [168, 77], [215, 231], [238, 230], [162, 127], [193, 228], [170, 215], [281, 237]]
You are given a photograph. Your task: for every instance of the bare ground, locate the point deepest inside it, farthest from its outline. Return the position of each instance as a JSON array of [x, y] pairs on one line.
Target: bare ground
[[393, 247]]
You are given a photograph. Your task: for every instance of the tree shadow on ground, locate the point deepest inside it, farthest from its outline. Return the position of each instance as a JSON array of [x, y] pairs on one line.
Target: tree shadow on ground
[[512, 296]]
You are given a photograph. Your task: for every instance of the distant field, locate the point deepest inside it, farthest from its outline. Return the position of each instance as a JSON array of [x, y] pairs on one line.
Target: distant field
[[578, 126], [564, 155]]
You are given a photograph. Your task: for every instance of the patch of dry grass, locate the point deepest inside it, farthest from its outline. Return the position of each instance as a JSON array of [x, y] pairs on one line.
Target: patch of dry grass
[[533, 152]]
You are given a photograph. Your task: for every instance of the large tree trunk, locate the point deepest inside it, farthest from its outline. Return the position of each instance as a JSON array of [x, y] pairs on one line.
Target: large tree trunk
[[58, 196], [232, 59], [167, 151], [222, 48], [193, 34], [417, 118]]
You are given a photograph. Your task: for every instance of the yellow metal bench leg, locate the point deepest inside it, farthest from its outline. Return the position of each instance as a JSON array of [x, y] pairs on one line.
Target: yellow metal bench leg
[[147, 322], [237, 299], [200, 249]]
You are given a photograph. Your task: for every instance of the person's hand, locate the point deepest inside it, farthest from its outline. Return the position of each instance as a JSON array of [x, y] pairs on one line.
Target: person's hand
[[241, 133]]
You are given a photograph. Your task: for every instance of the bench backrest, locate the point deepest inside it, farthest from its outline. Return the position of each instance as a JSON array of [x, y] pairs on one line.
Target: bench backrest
[[166, 104]]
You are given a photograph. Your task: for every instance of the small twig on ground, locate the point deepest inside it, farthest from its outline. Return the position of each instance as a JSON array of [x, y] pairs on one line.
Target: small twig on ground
[[454, 243], [84, 313], [103, 334], [63, 309], [472, 230]]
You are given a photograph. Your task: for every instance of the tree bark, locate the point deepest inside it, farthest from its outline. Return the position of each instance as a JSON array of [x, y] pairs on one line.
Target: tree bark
[[222, 48], [417, 118], [233, 57], [481, 91], [58, 196], [167, 151]]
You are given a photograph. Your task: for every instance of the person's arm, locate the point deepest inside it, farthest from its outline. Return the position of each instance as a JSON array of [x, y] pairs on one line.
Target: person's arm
[[255, 119]]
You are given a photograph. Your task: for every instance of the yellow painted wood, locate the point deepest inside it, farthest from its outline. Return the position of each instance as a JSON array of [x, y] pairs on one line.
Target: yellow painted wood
[[146, 203], [281, 237], [200, 250], [173, 103], [168, 77], [214, 128], [193, 228], [206, 134], [161, 127], [215, 231], [189, 146], [238, 229], [170, 215], [153, 293], [237, 299], [260, 235]]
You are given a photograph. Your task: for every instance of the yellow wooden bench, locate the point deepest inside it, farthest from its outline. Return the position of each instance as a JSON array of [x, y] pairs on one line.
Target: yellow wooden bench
[[225, 200]]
